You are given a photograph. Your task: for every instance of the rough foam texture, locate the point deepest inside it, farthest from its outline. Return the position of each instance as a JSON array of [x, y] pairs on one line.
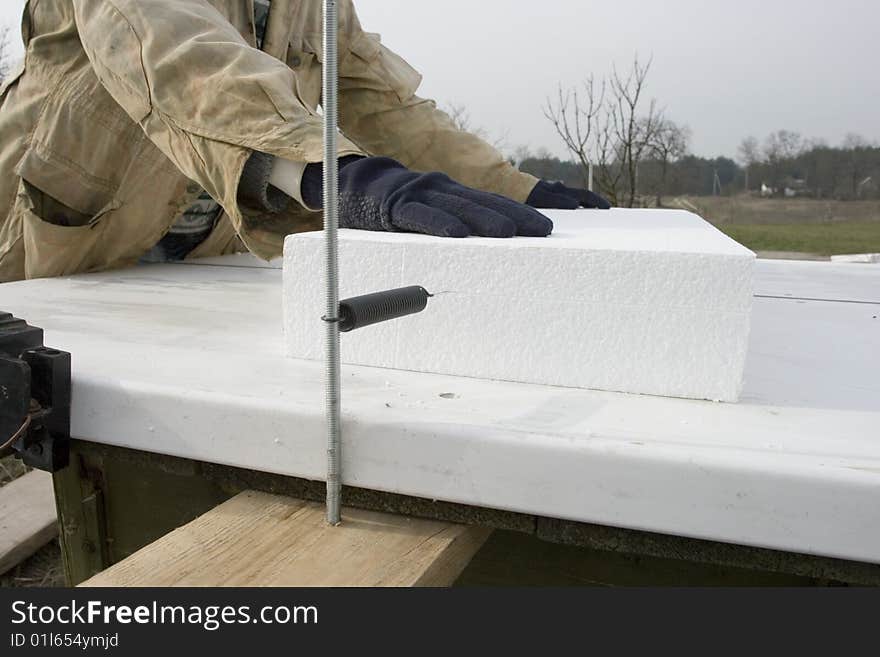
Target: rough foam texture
[[640, 301]]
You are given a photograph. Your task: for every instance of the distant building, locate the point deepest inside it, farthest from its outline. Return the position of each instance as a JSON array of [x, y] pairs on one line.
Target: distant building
[[795, 187]]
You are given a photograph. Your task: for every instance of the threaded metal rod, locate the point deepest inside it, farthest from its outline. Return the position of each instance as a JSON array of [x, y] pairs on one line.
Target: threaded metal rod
[[331, 226]]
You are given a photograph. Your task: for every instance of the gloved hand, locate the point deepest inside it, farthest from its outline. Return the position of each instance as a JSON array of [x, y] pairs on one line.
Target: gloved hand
[[378, 193], [557, 196]]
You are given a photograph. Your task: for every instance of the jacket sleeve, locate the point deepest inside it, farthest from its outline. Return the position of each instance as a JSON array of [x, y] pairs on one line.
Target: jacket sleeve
[[200, 92], [380, 110]]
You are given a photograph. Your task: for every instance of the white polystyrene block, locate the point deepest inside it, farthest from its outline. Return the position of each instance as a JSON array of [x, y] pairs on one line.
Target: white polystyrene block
[[643, 301]]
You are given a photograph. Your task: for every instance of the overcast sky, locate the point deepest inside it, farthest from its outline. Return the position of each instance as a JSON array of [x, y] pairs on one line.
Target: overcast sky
[[725, 68]]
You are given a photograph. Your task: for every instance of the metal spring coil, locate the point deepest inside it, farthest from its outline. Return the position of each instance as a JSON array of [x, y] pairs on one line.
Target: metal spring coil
[[380, 307]]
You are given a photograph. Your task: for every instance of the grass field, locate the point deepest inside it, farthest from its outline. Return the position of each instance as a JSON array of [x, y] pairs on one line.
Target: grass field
[[822, 228], [820, 239]]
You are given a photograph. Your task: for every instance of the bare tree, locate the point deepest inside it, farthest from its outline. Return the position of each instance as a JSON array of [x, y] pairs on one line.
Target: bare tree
[[855, 145], [749, 153], [575, 115], [604, 125], [461, 117], [670, 144], [780, 147], [783, 145], [520, 154], [854, 141], [634, 131], [4, 53]]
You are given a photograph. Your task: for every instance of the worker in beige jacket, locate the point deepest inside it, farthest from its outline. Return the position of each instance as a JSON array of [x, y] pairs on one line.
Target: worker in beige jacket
[[163, 129]]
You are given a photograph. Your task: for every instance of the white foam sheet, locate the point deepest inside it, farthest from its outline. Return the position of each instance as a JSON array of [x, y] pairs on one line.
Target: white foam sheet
[[789, 279], [186, 360], [863, 258], [650, 302]]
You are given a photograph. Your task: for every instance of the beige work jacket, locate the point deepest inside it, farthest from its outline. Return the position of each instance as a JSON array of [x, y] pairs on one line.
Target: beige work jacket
[[124, 109]]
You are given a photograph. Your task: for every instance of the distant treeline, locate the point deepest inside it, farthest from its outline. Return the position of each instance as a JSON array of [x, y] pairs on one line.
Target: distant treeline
[[789, 165], [689, 175], [634, 153], [781, 167]]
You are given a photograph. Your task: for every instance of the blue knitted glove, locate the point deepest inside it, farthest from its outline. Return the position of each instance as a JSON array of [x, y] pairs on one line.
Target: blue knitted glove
[[378, 193], [558, 196]]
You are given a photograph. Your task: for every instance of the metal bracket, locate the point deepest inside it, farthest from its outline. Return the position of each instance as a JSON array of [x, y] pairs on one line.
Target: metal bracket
[[34, 397]]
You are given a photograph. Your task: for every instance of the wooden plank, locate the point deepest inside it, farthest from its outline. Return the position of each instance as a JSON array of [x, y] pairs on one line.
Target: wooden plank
[[27, 517], [257, 539]]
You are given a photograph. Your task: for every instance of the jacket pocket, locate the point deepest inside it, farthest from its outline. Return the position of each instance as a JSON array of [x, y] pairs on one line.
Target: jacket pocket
[[83, 146], [52, 249], [382, 65]]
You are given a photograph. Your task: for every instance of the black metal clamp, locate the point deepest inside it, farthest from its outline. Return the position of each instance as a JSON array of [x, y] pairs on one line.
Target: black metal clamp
[[34, 397]]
